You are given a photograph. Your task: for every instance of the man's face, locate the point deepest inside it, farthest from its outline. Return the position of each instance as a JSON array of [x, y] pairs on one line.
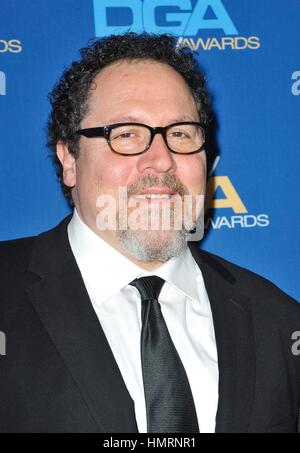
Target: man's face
[[145, 92]]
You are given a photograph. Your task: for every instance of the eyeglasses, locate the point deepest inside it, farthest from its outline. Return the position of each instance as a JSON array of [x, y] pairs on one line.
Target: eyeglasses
[[131, 139]]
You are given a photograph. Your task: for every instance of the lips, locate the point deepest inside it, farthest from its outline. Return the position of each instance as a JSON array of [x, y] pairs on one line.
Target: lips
[[155, 193], [154, 196]]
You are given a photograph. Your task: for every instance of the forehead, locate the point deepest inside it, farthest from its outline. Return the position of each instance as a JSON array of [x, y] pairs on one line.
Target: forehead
[[131, 70], [142, 85]]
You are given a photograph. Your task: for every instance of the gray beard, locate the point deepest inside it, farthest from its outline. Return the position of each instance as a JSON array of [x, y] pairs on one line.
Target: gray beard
[[153, 247]]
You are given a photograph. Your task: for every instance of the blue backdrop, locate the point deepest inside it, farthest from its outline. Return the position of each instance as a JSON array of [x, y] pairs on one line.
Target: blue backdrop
[[249, 51]]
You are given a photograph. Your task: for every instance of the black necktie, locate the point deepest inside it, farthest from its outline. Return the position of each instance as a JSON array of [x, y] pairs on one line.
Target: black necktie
[[169, 401]]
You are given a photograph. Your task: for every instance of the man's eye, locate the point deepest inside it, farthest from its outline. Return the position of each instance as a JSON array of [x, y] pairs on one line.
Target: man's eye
[[124, 136], [179, 134]]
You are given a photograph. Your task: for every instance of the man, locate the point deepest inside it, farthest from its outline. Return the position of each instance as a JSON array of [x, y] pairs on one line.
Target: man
[[113, 325]]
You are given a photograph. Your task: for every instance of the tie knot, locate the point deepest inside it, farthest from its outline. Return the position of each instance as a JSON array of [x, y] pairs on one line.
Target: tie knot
[[149, 287]]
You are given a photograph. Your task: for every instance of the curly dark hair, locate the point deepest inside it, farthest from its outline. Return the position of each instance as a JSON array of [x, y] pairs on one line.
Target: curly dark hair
[[69, 98]]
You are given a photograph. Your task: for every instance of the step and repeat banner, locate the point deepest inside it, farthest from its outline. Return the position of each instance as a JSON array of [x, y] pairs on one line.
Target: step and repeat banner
[[249, 51]]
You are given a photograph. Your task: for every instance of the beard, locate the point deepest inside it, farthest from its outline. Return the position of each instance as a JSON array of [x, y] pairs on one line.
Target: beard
[[160, 242], [153, 245]]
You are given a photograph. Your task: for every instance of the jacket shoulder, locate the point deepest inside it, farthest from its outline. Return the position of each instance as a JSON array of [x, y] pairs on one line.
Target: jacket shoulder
[[250, 283], [15, 254]]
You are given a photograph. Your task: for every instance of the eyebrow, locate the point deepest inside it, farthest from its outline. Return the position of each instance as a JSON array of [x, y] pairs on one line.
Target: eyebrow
[[132, 119]]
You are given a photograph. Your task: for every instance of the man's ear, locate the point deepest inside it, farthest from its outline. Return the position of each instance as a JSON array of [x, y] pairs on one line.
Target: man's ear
[[68, 163]]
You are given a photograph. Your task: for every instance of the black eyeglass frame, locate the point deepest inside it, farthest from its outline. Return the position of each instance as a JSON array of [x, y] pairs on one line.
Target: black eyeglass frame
[[105, 131]]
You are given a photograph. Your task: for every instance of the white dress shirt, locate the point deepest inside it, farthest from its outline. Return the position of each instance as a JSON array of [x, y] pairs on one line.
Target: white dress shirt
[[185, 307]]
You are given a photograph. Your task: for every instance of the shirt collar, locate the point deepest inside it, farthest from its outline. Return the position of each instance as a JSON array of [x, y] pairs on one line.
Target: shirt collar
[[106, 271]]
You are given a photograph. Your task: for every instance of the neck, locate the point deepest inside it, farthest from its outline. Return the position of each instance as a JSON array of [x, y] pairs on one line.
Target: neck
[[113, 241], [146, 265]]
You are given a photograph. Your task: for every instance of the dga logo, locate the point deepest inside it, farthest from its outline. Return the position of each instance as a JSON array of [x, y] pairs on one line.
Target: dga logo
[[2, 84], [231, 201], [296, 85], [182, 18], [12, 46]]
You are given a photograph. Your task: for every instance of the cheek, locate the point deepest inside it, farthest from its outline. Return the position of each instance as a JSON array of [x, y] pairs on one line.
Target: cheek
[[99, 171], [116, 170], [192, 172]]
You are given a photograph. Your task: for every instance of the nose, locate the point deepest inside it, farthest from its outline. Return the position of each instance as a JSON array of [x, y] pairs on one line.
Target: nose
[[158, 157]]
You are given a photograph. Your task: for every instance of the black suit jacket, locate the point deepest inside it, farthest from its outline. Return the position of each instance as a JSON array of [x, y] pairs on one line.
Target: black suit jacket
[[59, 373]]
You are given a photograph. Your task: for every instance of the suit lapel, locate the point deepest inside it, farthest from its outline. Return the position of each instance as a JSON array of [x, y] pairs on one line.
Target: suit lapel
[[235, 344], [63, 305]]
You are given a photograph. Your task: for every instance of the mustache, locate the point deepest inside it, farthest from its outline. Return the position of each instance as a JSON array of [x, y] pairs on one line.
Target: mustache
[[148, 181]]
